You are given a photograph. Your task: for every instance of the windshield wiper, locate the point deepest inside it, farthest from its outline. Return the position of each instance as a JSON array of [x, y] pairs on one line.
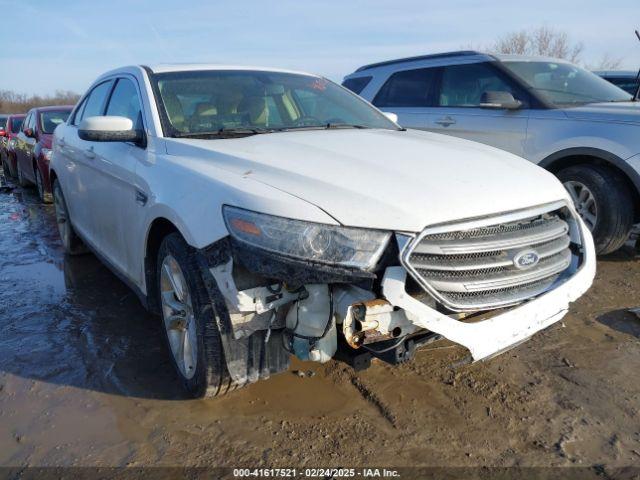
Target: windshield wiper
[[225, 132], [329, 126]]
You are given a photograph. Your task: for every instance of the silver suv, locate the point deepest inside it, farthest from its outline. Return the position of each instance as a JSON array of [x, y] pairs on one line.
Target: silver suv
[[549, 111]]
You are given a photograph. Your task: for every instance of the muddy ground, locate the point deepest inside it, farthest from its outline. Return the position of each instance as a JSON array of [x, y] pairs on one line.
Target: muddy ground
[[85, 381]]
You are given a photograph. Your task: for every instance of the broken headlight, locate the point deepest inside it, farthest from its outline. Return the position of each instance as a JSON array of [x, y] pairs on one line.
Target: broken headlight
[[344, 246]]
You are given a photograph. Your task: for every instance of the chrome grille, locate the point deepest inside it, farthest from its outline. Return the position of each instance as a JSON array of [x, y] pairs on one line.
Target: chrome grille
[[473, 265]]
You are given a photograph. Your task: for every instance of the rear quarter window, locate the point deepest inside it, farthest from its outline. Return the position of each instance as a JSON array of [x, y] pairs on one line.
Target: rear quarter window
[[357, 84]]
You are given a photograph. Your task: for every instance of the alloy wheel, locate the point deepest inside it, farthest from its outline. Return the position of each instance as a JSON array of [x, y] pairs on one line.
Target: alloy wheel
[[62, 219], [39, 184], [584, 202], [178, 316]]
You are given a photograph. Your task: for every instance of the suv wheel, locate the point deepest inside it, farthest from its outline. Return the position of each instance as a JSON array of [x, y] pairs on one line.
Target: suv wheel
[[70, 240], [189, 321], [42, 193], [21, 180], [604, 202]]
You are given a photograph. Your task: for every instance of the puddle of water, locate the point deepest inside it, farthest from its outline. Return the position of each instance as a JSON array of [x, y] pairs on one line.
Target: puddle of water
[[41, 275]]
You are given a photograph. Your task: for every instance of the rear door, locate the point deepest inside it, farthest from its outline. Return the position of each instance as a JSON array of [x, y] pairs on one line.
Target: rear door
[[410, 94], [115, 201], [458, 111]]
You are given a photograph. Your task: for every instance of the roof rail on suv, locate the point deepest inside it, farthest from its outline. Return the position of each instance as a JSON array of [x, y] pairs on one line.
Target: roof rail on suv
[[460, 53]]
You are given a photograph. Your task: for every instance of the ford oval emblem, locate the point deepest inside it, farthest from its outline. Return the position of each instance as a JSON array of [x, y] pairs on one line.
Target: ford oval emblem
[[526, 259]]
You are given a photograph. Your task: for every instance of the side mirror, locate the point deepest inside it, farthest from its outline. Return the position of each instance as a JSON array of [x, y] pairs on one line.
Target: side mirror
[[503, 100], [30, 133], [109, 129], [391, 116]]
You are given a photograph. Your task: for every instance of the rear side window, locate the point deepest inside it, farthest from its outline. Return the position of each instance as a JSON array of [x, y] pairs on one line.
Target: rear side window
[[16, 124], [94, 105], [409, 88], [357, 84], [125, 102]]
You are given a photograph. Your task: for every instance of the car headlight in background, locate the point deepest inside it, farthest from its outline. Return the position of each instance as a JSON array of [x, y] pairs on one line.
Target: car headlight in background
[[46, 153], [12, 143], [343, 246]]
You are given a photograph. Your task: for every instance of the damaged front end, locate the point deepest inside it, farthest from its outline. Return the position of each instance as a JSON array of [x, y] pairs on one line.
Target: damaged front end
[[285, 286]]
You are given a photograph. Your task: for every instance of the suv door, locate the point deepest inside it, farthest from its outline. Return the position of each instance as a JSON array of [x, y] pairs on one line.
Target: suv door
[[458, 111], [410, 94], [115, 199], [78, 158]]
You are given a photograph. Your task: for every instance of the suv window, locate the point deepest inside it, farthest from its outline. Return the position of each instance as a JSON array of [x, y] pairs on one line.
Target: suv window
[[409, 88], [16, 124], [125, 102], [463, 85], [94, 104], [356, 85]]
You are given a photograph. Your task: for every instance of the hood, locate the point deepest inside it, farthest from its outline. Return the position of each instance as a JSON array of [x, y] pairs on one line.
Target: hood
[[46, 140], [626, 112], [381, 178]]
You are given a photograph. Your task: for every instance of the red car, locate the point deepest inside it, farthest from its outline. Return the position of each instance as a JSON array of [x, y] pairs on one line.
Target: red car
[[7, 142], [33, 147]]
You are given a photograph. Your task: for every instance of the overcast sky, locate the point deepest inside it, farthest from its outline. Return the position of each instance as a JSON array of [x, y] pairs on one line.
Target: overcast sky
[[49, 45]]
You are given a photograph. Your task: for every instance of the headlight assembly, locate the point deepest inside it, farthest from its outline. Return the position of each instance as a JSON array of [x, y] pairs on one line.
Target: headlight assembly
[[342, 246], [46, 153], [12, 143]]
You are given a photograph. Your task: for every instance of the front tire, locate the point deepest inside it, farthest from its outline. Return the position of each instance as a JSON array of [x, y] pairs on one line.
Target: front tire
[[604, 201], [70, 241], [189, 322]]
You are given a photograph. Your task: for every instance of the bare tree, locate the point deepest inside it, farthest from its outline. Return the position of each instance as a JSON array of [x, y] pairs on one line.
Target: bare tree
[[607, 62], [12, 102], [540, 41]]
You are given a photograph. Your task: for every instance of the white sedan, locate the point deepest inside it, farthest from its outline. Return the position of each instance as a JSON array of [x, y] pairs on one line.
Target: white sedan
[[268, 212]]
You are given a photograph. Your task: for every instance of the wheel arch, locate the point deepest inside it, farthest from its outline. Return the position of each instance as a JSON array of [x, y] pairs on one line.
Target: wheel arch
[[593, 156]]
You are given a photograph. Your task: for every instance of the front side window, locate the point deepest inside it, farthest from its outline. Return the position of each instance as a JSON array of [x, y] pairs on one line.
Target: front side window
[[409, 88], [94, 104], [463, 85], [125, 102], [564, 84], [50, 119], [210, 102]]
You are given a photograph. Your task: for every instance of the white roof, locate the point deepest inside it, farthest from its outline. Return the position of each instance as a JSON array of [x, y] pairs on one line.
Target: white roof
[[190, 67]]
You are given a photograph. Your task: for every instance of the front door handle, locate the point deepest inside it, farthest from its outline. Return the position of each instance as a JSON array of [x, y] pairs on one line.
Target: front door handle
[[61, 142], [446, 121], [89, 153]]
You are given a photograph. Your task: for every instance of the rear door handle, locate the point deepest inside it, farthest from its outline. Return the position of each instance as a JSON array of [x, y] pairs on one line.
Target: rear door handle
[[89, 153], [446, 121]]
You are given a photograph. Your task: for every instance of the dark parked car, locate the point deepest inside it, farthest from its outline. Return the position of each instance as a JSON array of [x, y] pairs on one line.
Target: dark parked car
[[33, 147], [12, 127], [625, 79]]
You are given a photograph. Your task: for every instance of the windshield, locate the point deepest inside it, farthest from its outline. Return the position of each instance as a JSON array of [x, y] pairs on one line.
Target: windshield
[[50, 119], [564, 84], [218, 102]]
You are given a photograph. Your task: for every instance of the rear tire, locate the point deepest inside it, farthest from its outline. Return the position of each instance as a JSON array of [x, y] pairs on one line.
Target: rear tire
[[70, 241], [601, 192], [188, 319], [21, 180], [42, 193]]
